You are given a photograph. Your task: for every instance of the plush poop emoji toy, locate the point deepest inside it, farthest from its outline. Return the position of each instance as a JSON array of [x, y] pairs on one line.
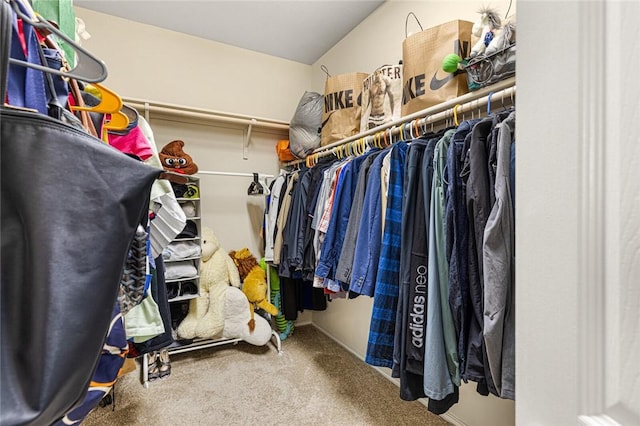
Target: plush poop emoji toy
[[174, 159]]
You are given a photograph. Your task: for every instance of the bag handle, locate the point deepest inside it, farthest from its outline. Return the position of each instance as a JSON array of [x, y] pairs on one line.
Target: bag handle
[[326, 70], [85, 118], [5, 47], [406, 23], [75, 91]]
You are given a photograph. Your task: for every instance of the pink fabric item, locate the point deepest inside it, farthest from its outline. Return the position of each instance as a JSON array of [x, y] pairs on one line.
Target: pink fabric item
[[133, 142]]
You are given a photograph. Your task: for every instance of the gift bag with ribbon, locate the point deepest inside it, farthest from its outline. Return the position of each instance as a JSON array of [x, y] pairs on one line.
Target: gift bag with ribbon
[[342, 106], [424, 82], [381, 96]]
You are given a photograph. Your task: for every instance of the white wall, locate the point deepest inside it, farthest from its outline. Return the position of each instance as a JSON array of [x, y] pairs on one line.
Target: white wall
[[152, 63], [550, 144], [578, 239], [378, 41]]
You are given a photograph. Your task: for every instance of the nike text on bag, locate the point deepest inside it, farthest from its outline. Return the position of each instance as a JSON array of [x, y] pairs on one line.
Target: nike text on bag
[[342, 106], [381, 96], [424, 83]]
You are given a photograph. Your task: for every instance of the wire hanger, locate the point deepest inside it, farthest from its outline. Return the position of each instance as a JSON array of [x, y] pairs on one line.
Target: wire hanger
[[88, 68]]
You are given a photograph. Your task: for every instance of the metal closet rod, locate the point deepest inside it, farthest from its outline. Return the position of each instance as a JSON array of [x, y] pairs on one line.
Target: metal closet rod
[[146, 106], [428, 116], [207, 172]]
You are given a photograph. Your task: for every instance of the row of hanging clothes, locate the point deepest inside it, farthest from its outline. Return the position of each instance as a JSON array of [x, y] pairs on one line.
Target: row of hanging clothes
[[425, 226], [82, 277]]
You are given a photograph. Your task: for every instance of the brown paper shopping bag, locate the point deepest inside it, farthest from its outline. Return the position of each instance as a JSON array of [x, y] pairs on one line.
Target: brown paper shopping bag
[[424, 83], [381, 97], [342, 106]]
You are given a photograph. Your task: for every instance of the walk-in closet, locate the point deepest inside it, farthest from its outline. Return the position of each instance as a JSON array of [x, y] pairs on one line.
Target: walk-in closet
[[470, 261]]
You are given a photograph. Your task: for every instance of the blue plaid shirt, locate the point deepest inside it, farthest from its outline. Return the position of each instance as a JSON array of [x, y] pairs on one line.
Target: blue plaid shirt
[[383, 315]]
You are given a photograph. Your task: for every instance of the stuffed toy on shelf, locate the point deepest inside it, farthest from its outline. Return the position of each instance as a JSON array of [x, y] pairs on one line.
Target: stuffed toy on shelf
[[254, 282], [206, 313], [485, 29], [222, 309], [174, 159]]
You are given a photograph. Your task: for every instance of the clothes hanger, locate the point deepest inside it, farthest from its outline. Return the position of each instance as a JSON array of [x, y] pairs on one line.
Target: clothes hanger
[[417, 129], [455, 115], [256, 188], [110, 103], [88, 68], [354, 148], [489, 103]]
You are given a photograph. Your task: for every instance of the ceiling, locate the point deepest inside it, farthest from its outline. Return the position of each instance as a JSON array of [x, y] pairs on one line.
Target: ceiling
[[298, 30]]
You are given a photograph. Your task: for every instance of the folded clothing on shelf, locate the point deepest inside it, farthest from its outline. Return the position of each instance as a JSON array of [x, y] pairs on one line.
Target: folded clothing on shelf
[[190, 230], [189, 209], [178, 270], [179, 250], [188, 190]]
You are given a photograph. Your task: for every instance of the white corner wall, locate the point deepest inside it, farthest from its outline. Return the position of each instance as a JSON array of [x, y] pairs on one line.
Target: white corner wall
[[157, 64], [378, 41], [150, 63]]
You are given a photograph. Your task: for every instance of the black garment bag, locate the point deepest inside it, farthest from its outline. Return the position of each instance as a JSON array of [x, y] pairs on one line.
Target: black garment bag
[[70, 206]]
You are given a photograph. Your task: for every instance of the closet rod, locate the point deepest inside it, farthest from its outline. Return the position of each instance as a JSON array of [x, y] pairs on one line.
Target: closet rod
[[467, 102], [260, 175], [191, 112]]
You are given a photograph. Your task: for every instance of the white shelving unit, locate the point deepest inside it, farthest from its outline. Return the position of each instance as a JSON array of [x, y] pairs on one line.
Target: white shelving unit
[[196, 219], [198, 344]]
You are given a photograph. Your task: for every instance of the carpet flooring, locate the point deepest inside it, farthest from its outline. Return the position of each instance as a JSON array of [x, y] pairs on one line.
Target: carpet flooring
[[314, 381]]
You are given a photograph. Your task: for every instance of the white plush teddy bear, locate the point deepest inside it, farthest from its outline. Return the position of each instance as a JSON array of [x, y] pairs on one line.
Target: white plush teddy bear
[[222, 310], [206, 313]]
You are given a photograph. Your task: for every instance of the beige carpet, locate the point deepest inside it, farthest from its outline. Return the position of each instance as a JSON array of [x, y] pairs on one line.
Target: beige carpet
[[313, 382]]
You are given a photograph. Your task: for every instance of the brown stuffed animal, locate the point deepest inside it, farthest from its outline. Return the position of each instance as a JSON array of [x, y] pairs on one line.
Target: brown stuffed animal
[[254, 282], [174, 159]]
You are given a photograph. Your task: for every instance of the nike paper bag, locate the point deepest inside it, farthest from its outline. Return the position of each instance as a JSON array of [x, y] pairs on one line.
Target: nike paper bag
[[424, 83], [381, 97], [342, 106]]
